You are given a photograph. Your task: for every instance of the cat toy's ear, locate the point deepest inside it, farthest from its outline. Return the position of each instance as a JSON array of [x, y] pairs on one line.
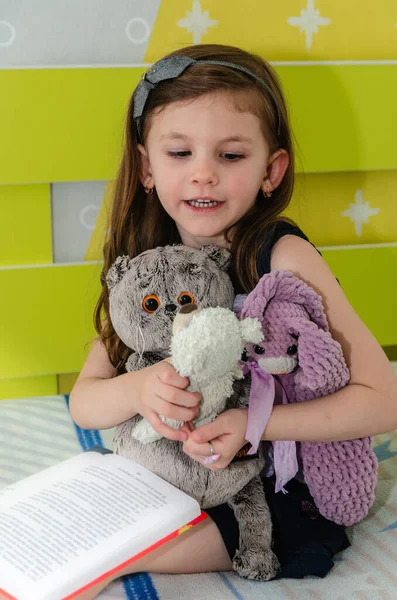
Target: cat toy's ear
[[220, 256], [117, 271]]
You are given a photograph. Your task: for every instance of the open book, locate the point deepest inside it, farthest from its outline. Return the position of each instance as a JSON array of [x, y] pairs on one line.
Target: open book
[[74, 524]]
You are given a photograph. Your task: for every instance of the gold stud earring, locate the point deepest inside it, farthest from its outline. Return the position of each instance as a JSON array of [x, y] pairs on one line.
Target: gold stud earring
[[149, 190], [267, 193]]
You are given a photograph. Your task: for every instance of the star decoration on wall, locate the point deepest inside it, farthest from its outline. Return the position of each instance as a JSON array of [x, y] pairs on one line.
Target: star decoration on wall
[[309, 22], [197, 22], [359, 212]]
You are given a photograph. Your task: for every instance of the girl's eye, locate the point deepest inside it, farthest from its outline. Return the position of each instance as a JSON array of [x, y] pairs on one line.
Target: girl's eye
[[185, 298], [150, 303], [292, 350], [259, 350], [180, 154], [230, 156]]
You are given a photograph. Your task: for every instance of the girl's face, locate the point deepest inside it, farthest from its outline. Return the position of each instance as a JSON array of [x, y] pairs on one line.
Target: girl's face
[[208, 161]]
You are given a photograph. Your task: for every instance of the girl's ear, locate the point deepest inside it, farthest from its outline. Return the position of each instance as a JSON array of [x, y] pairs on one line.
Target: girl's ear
[[276, 167], [145, 173]]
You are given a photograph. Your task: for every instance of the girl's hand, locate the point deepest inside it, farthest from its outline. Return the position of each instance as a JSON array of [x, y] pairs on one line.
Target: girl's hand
[[161, 391], [226, 434]]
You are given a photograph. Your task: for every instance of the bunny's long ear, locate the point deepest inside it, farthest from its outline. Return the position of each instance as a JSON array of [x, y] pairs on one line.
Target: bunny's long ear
[[257, 300], [320, 357], [285, 286], [117, 271]]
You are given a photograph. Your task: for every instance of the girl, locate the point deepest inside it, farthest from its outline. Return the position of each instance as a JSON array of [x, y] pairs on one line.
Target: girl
[[208, 158]]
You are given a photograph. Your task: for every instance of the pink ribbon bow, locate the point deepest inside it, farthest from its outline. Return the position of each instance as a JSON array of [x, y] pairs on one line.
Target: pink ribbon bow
[[262, 396]]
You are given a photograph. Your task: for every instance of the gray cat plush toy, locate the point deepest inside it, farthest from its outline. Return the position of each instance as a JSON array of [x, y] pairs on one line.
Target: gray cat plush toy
[[145, 295]]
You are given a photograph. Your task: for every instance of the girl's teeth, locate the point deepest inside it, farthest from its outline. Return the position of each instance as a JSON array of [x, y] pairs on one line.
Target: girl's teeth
[[202, 203]]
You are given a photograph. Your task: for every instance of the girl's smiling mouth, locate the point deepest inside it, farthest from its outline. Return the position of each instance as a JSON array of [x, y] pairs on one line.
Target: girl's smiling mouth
[[201, 204]]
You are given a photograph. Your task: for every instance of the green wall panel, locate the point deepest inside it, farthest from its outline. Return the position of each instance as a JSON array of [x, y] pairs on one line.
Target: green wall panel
[[28, 387], [66, 124], [369, 279], [46, 318], [25, 224], [46, 314], [62, 124], [344, 116]]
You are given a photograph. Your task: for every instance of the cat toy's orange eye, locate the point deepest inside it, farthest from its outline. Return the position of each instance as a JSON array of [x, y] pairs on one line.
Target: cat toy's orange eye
[[185, 298], [150, 303]]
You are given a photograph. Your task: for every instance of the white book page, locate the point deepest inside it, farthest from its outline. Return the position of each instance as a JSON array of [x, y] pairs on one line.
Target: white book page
[[64, 527]]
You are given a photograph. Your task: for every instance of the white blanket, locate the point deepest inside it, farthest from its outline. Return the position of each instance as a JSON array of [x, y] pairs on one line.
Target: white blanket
[[38, 432]]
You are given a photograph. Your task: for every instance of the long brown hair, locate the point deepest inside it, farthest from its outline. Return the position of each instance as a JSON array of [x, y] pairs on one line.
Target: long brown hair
[[138, 223]]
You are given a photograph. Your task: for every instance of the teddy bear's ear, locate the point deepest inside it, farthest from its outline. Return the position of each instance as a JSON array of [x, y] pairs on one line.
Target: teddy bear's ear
[[117, 271], [251, 331], [220, 256]]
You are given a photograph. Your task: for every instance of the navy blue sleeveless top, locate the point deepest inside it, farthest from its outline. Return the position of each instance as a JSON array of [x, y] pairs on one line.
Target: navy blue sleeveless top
[[280, 229]]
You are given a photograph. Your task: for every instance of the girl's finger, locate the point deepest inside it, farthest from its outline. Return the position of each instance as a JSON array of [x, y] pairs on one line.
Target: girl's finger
[[210, 460], [204, 460], [174, 411], [173, 395], [165, 430], [209, 432], [187, 427], [192, 448]]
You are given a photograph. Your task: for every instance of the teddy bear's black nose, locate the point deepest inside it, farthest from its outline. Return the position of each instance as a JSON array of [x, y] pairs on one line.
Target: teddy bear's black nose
[[187, 308], [170, 307]]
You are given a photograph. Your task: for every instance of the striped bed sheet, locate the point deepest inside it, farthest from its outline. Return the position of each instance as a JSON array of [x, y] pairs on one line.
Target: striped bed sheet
[[36, 433]]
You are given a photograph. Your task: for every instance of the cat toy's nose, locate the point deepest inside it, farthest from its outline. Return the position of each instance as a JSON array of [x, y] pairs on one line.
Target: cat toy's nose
[[170, 307], [187, 308]]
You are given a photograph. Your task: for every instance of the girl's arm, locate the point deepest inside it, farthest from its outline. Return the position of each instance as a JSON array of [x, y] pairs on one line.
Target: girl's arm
[[368, 404], [99, 400]]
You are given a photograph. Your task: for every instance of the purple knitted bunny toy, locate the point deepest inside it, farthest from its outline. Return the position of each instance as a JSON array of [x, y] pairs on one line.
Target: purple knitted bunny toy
[[299, 350]]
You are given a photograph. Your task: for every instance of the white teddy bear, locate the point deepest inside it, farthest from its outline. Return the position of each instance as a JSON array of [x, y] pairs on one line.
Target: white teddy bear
[[206, 347]]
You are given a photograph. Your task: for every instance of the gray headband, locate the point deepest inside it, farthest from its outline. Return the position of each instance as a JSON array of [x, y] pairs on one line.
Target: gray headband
[[173, 67]]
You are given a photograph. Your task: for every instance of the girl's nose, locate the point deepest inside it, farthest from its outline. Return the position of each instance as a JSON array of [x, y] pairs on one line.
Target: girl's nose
[[204, 173]]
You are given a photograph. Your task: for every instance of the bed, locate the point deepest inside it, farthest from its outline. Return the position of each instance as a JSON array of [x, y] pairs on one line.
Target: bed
[[38, 432]]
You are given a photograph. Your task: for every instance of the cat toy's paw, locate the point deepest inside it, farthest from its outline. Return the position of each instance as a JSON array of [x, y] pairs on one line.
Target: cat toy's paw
[[256, 563]]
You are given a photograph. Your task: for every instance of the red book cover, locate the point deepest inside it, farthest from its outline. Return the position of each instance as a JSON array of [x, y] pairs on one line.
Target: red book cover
[[115, 570]]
